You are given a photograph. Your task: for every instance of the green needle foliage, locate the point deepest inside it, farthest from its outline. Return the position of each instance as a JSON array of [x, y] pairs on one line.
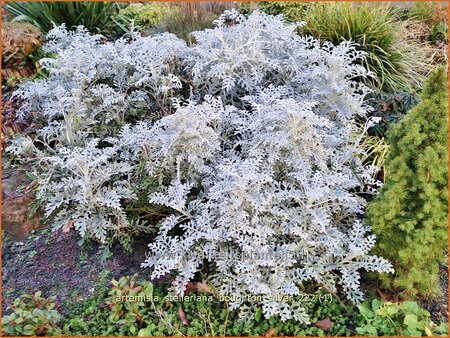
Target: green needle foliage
[[410, 215], [96, 16], [394, 61]]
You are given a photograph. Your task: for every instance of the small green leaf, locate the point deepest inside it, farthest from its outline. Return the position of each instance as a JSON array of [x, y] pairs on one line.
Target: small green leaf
[[133, 329], [28, 330], [372, 331], [411, 307], [361, 330], [392, 310], [410, 321], [38, 313], [428, 331], [375, 304], [366, 312]]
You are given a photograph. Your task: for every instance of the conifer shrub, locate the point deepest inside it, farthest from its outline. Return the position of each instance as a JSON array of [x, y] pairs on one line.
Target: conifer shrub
[[257, 163], [410, 214]]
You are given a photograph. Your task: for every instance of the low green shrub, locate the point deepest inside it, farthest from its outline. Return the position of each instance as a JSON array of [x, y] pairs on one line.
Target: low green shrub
[[126, 301], [292, 11], [145, 16], [409, 216], [395, 63], [96, 16], [439, 32], [88, 316], [378, 318], [32, 315]]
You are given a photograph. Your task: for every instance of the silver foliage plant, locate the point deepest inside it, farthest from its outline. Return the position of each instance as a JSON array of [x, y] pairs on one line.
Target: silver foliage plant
[[275, 204], [92, 82], [82, 192], [93, 88], [258, 160]]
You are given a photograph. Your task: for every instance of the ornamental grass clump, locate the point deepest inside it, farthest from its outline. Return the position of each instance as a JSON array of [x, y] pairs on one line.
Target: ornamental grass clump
[[254, 155], [96, 16], [396, 63]]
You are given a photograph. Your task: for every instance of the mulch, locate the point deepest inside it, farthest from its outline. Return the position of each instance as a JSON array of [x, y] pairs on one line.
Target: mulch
[[55, 264]]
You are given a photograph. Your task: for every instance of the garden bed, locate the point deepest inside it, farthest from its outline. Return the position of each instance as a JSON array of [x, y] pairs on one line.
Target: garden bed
[[291, 177], [55, 263]]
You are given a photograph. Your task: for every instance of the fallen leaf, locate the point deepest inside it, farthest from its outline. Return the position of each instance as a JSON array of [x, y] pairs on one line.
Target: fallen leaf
[[190, 287], [270, 332], [66, 227], [166, 306], [203, 287], [324, 324], [183, 317]]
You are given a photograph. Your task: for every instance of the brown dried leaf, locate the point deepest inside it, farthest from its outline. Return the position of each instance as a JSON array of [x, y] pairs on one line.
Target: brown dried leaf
[[324, 324], [382, 295], [66, 227], [204, 287], [183, 317], [190, 287], [270, 332], [166, 306]]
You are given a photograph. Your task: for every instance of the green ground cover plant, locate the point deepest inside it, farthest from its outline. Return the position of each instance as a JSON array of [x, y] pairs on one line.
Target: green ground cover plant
[[32, 315], [377, 318], [130, 306]]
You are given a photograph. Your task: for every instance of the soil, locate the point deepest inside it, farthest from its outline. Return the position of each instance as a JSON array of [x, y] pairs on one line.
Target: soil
[[55, 264], [438, 308]]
